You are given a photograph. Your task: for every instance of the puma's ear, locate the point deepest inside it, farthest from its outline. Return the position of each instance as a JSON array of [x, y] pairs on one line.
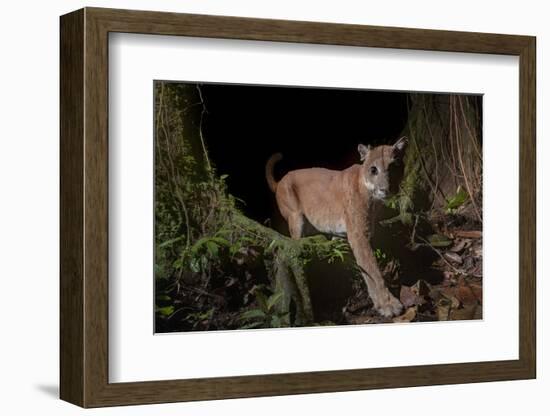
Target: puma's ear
[[363, 151], [400, 146]]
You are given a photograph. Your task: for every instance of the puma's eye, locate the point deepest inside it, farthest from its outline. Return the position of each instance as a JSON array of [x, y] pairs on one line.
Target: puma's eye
[[373, 170]]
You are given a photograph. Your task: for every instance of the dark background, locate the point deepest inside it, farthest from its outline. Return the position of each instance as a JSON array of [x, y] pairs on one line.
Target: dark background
[[244, 125]]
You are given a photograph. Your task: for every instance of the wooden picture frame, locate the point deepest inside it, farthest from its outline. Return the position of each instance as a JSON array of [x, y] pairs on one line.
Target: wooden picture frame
[[84, 207]]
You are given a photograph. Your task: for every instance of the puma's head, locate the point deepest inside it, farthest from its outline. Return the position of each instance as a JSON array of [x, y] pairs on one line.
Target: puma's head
[[382, 167]]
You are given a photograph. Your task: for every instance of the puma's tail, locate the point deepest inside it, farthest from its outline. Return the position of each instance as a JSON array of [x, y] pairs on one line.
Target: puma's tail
[[269, 170]]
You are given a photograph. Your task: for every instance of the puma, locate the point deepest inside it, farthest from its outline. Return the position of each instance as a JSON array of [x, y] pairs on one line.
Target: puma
[[345, 203]]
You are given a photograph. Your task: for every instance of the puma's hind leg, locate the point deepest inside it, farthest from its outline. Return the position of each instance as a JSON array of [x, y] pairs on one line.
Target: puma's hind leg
[[289, 206], [296, 225]]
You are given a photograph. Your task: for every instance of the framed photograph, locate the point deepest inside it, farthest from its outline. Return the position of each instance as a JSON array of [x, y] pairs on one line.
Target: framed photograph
[[255, 207]]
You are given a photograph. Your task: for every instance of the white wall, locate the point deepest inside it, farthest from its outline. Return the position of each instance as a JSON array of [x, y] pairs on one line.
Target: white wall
[[29, 204]]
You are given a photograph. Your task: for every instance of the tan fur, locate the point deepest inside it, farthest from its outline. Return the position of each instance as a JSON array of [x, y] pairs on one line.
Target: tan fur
[[344, 203], [269, 171]]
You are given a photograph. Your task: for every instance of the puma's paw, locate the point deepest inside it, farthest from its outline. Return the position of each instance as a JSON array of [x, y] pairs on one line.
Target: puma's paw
[[389, 306]]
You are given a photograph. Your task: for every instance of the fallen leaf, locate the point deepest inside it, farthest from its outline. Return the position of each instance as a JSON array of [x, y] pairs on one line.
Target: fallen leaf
[[409, 297], [450, 294], [477, 291], [366, 319], [455, 258], [455, 303], [421, 288], [476, 271], [443, 309], [449, 278], [359, 306], [477, 251], [435, 295], [460, 245], [468, 234], [408, 316], [468, 262], [230, 282], [468, 312], [465, 294]]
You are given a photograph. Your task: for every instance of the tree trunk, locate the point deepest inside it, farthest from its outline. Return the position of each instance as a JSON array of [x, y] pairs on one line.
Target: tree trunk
[[445, 154]]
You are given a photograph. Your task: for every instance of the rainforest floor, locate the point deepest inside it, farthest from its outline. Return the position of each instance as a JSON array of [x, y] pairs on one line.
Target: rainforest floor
[[437, 275]]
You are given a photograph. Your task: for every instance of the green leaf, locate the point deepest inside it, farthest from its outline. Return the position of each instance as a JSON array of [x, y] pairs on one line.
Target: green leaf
[[275, 321], [262, 301], [438, 240], [165, 311], [252, 325], [391, 220], [198, 245], [170, 242], [178, 263], [220, 241], [195, 265], [338, 254], [206, 315], [234, 249], [406, 218], [212, 248], [271, 245], [252, 314], [163, 298], [273, 300], [458, 199]]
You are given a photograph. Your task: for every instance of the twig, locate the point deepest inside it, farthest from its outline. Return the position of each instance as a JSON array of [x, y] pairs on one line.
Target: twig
[[429, 180], [413, 234], [450, 141], [466, 182], [442, 257], [468, 234], [474, 142], [437, 188], [202, 292], [200, 130]]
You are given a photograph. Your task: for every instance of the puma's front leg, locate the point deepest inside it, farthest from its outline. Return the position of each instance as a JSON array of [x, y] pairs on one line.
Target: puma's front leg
[[385, 303]]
